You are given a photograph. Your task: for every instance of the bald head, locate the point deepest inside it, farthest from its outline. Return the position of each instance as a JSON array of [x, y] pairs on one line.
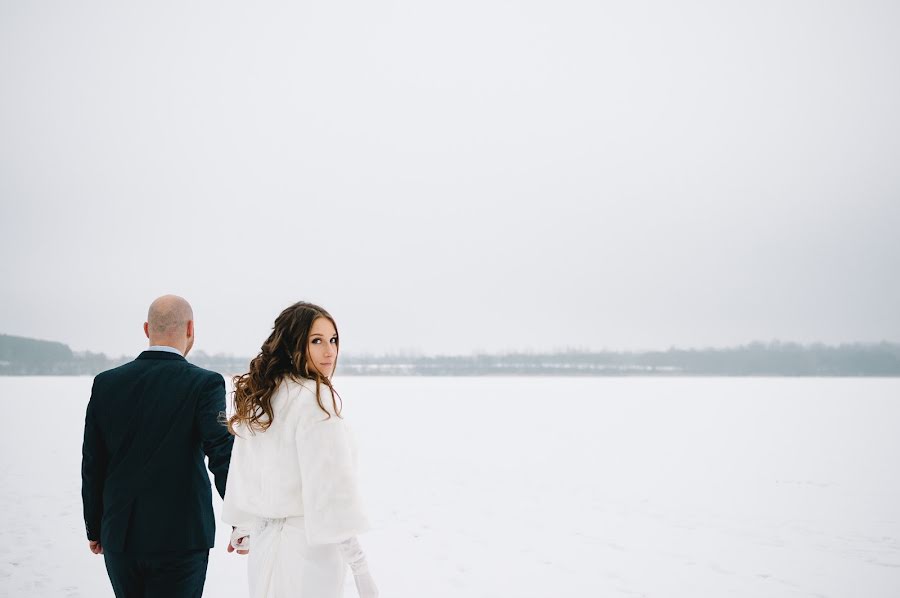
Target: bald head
[[170, 322]]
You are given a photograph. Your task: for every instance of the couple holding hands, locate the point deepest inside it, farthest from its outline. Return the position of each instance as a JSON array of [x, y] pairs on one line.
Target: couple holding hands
[[284, 463]]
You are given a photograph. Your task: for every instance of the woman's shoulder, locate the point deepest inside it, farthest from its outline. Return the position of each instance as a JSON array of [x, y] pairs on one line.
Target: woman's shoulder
[[298, 386], [303, 392]]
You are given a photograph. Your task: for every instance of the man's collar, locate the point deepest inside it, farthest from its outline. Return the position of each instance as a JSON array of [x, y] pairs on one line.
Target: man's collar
[[166, 348]]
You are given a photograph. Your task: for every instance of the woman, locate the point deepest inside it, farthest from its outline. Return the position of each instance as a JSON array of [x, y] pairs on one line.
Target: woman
[[292, 482]]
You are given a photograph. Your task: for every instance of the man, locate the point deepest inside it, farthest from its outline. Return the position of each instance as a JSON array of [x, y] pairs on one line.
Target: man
[[147, 496]]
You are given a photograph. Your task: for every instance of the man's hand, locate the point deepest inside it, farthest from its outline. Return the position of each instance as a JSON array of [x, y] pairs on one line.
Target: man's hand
[[95, 547]]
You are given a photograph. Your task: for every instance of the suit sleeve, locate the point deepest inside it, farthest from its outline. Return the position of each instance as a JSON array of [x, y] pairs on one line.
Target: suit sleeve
[[332, 507], [214, 435], [93, 471]]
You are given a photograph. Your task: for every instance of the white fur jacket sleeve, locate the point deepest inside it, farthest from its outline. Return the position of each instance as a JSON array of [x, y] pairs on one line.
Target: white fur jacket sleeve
[[326, 451]]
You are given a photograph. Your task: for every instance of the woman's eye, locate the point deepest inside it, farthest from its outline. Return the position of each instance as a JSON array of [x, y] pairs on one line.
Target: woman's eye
[[334, 340], [315, 340]]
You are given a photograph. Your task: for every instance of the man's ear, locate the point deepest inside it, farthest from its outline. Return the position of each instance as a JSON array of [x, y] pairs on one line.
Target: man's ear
[[190, 329], [147, 329]]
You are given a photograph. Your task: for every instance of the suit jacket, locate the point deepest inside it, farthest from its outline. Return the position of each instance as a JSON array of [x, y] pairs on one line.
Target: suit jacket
[[147, 428]]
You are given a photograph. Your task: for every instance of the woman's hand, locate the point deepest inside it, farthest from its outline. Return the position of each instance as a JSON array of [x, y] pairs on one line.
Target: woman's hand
[[240, 541]]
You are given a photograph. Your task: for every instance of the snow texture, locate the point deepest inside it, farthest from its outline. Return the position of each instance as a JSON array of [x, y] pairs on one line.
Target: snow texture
[[543, 487]]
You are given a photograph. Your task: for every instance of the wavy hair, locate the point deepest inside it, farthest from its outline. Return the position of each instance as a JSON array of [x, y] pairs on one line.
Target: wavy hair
[[283, 355]]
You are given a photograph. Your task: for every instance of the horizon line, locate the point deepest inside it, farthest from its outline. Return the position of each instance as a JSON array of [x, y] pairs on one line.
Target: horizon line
[[575, 350]]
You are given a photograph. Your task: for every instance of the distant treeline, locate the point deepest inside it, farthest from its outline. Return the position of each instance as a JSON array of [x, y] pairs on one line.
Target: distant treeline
[[755, 359], [29, 357], [25, 356]]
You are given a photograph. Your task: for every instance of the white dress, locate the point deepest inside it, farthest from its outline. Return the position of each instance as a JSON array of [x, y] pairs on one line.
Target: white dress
[[294, 487]]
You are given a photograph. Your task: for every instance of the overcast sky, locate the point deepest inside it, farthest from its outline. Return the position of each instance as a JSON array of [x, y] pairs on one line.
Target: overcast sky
[[448, 177]]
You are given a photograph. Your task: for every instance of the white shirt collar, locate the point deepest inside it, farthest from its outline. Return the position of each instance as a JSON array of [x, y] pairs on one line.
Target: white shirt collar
[[165, 348]]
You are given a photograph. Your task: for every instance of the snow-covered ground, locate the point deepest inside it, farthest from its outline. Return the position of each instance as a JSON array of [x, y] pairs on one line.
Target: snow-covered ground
[[544, 487]]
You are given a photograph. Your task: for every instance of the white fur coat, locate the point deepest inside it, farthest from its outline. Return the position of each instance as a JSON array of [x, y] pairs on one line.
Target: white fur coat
[[304, 464]]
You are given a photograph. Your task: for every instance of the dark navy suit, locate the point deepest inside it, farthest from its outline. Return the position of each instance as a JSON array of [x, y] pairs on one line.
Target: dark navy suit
[[147, 496]]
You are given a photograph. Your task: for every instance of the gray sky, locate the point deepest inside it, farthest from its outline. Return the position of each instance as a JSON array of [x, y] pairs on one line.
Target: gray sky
[[453, 176]]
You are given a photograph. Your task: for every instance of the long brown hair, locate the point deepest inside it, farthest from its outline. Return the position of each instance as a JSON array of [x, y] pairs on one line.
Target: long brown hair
[[282, 355]]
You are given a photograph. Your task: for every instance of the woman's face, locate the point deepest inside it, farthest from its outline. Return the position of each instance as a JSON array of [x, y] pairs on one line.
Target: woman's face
[[322, 350]]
